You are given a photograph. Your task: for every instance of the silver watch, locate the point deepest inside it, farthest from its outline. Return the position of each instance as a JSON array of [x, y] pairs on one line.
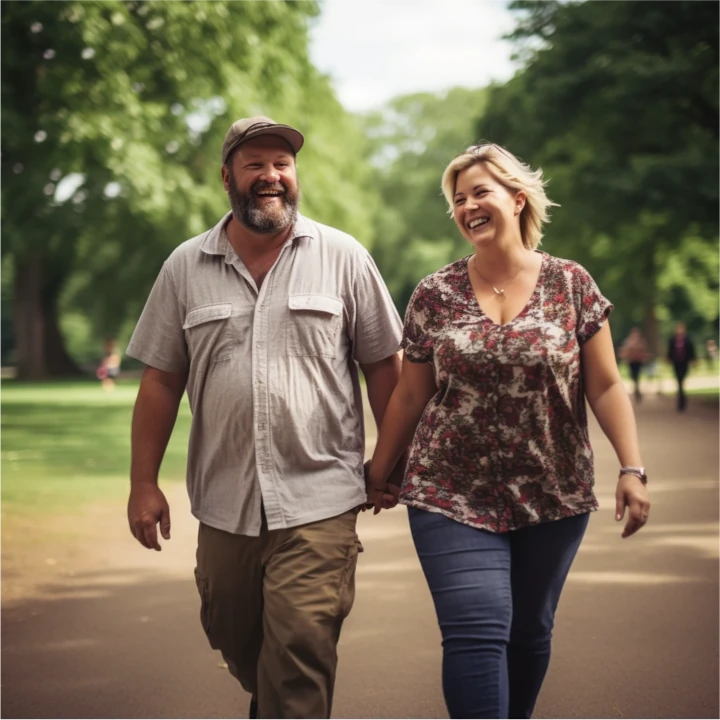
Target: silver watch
[[638, 472]]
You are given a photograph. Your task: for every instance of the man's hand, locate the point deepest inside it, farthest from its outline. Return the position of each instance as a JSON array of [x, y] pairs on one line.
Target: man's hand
[[385, 497], [147, 507]]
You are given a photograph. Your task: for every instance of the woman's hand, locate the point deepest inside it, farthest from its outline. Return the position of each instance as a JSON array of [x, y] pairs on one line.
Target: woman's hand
[[632, 493], [382, 496]]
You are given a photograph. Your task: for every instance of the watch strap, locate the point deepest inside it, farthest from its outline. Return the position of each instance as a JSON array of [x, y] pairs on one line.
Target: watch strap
[[638, 472]]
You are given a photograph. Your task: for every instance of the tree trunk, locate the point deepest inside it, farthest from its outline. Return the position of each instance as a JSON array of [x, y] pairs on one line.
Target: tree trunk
[[41, 349], [29, 320], [57, 360]]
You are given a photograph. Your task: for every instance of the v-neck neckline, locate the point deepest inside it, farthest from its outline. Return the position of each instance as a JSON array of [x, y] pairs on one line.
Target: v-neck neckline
[[525, 308]]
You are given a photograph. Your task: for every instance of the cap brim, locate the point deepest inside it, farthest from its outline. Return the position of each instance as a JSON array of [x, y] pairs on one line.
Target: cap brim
[[292, 136]]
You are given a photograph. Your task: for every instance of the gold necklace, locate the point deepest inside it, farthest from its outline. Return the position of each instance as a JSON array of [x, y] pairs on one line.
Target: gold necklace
[[499, 293]]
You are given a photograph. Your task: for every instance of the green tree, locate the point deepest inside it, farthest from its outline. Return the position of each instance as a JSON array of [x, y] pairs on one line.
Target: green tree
[[113, 114], [412, 139], [619, 104]]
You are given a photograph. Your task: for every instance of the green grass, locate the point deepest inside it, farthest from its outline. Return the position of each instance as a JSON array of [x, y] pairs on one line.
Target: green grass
[[65, 443], [710, 396], [665, 370]]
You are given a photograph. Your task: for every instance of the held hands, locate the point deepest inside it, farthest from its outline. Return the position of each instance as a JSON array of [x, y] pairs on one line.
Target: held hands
[[631, 492], [383, 496], [147, 507]]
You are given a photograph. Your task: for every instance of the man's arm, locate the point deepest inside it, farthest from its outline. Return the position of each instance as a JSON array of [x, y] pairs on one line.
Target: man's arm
[[381, 378], [154, 417]]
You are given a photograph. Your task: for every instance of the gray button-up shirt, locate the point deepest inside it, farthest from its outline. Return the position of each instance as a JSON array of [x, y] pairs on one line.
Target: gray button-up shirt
[[272, 378]]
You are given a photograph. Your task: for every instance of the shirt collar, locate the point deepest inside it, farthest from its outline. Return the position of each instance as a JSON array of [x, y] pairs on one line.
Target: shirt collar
[[216, 241]]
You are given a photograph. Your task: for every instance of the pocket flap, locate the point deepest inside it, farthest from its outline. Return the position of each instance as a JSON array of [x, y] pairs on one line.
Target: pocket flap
[[318, 303], [206, 313]]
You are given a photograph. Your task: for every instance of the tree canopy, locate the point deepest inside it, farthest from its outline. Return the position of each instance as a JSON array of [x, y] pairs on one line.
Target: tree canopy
[[619, 104], [113, 116]]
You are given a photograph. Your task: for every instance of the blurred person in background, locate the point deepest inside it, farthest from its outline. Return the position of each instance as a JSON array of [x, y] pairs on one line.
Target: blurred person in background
[[109, 367], [635, 353], [681, 354], [263, 319], [711, 350], [502, 349]]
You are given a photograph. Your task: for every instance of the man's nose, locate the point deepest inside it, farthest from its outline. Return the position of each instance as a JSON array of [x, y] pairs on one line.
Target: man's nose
[[270, 174]]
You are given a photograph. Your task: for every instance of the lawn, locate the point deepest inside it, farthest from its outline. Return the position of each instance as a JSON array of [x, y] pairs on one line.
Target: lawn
[[65, 443], [711, 396]]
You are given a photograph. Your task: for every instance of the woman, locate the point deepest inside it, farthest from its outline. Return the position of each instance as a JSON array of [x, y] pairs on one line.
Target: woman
[[501, 349], [109, 367], [635, 353]]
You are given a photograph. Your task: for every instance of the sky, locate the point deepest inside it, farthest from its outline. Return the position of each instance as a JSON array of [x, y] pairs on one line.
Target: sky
[[377, 49]]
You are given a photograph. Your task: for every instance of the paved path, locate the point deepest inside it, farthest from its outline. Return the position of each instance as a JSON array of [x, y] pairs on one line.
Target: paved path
[[106, 629]]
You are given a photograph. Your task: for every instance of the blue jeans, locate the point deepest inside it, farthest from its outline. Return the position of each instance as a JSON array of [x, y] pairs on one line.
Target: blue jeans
[[495, 596]]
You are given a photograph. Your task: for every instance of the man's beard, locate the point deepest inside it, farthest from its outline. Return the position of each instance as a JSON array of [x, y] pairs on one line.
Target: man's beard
[[263, 221]]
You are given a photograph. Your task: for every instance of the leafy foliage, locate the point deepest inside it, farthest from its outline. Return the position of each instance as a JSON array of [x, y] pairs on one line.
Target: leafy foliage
[[619, 103]]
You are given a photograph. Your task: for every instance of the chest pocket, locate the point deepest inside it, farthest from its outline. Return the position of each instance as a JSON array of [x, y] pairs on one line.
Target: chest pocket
[[208, 333], [313, 325]]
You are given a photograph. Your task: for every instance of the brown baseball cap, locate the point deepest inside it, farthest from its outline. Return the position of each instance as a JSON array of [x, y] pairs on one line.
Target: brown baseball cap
[[247, 128]]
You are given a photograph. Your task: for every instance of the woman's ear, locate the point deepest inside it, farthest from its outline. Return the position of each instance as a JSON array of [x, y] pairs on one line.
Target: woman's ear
[[520, 200]]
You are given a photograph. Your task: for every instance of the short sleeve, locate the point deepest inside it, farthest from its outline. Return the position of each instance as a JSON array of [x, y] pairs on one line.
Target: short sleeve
[[416, 341], [377, 326], [593, 308], [159, 339]]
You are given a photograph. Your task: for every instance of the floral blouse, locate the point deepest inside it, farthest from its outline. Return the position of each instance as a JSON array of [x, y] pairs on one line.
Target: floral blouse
[[504, 442]]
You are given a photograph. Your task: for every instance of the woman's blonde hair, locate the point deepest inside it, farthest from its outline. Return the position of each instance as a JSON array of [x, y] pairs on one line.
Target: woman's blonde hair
[[514, 175]]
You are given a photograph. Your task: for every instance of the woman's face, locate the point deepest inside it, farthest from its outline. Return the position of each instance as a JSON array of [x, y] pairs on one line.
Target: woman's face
[[483, 208]]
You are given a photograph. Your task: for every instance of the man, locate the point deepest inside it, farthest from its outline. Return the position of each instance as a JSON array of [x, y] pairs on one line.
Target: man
[[681, 355], [262, 318]]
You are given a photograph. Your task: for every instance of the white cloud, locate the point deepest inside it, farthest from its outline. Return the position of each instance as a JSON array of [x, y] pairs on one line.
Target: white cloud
[[375, 50]]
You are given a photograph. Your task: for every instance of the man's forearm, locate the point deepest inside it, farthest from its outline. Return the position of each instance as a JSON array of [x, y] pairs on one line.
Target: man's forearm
[[154, 417], [381, 379]]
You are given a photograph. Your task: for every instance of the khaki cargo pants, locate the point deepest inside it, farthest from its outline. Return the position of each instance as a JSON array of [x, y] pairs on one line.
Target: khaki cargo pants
[[274, 605]]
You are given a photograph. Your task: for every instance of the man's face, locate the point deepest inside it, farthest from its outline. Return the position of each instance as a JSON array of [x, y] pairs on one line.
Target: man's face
[[261, 182]]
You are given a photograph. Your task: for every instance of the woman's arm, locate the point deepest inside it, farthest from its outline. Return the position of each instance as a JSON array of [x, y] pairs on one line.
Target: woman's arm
[[407, 403], [610, 403]]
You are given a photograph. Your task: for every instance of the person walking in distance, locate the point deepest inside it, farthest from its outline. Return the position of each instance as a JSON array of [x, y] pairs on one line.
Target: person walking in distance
[[680, 354], [263, 319], [635, 353]]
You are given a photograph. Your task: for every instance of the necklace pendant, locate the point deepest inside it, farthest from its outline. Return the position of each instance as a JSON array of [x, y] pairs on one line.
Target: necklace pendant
[[500, 293]]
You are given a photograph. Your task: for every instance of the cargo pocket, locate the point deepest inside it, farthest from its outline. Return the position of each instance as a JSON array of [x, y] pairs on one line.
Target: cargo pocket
[[313, 325], [207, 333], [204, 590], [346, 593]]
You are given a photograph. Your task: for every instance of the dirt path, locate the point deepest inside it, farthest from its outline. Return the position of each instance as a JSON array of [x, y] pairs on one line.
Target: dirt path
[[94, 626]]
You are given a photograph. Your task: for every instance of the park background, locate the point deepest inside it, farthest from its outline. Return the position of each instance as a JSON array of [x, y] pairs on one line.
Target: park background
[[113, 114]]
